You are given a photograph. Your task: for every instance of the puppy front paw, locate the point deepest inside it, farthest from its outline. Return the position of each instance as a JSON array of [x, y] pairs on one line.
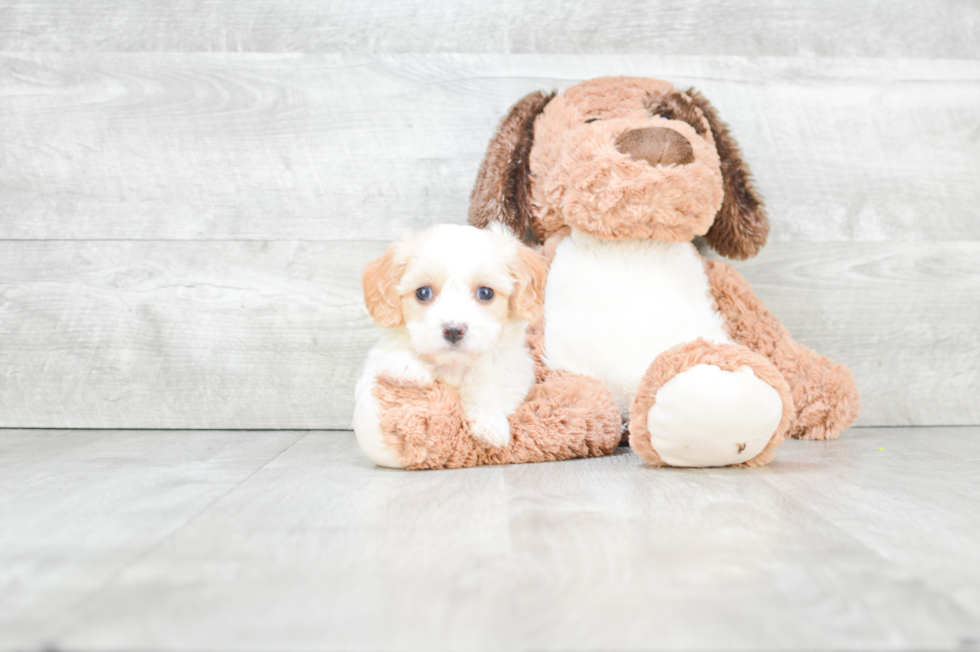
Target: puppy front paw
[[407, 372], [491, 429]]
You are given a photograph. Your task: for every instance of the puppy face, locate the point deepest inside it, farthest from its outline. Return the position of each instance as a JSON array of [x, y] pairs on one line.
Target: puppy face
[[625, 158], [454, 288]]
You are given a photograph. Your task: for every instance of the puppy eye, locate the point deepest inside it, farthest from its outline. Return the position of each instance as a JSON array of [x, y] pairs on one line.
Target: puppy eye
[[591, 120], [424, 293], [663, 115], [484, 294]]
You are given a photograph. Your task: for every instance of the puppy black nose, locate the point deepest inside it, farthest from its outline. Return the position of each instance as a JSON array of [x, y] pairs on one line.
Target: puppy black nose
[[656, 146], [453, 332]]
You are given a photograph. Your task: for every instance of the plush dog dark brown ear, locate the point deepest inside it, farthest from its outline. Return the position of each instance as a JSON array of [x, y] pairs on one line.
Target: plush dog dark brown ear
[[741, 226], [503, 186]]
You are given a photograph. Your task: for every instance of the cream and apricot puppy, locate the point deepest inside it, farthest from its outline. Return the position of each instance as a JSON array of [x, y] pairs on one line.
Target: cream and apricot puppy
[[454, 302]]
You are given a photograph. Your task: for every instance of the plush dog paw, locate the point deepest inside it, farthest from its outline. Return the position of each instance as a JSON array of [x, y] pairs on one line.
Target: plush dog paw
[[406, 371], [491, 429], [709, 417], [708, 404], [367, 429]]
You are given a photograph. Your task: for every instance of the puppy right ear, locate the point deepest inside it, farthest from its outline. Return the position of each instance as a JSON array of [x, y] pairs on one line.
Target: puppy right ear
[[503, 186], [380, 284]]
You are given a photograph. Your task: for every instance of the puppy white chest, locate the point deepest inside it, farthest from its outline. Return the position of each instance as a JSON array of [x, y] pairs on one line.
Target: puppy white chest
[[612, 306]]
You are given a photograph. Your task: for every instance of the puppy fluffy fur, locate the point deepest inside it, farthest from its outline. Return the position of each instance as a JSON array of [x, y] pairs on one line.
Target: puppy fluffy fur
[[454, 302]]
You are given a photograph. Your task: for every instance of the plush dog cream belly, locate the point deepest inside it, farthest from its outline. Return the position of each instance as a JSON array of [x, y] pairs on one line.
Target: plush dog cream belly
[[612, 306]]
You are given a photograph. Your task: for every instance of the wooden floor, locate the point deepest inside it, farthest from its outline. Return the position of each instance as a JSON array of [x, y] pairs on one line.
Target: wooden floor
[[291, 540]]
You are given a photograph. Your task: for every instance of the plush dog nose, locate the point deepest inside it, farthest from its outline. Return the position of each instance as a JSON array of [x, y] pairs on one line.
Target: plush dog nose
[[453, 332], [656, 146]]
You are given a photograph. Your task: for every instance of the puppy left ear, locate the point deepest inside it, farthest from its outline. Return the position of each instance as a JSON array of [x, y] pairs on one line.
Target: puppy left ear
[[741, 226], [380, 284], [530, 273]]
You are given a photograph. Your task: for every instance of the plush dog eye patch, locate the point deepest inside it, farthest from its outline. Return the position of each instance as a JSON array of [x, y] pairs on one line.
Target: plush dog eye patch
[[677, 106]]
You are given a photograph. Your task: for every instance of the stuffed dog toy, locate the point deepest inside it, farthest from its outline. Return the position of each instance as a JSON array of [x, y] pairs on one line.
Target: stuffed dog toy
[[617, 177], [641, 337]]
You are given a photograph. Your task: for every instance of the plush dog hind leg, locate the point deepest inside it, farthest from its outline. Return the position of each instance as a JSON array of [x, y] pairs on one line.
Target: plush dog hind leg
[[824, 392], [702, 404], [565, 416]]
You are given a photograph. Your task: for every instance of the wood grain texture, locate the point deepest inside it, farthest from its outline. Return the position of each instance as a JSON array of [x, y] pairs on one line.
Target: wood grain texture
[[245, 542], [902, 316], [79, 507], [273, 334], [933, 29], [355, 147], [181, 334]]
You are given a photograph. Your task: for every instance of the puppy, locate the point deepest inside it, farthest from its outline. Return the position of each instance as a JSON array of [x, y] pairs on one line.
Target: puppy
[[454, 302]]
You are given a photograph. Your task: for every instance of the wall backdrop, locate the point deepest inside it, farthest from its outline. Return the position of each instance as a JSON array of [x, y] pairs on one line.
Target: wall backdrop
[[189, 192]]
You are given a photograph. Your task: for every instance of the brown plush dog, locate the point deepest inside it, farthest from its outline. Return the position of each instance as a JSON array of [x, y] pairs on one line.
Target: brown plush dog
[[616, 177]]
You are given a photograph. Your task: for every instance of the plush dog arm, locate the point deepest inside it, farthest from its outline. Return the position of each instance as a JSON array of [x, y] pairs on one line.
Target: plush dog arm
[[824, 392], [565, 416]]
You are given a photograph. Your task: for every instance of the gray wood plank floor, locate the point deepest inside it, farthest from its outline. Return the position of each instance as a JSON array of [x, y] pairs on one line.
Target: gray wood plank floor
[[138, 540]]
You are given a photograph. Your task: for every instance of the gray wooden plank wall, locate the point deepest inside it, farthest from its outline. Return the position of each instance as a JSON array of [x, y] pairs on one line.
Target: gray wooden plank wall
[[187, 197]]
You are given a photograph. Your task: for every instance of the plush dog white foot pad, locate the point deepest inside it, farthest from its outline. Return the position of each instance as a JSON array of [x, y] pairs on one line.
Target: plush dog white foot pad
[[705, 416]]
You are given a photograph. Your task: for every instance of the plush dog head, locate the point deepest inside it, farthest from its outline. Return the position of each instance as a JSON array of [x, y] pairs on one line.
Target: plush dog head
[[620, 157], [455, 288]]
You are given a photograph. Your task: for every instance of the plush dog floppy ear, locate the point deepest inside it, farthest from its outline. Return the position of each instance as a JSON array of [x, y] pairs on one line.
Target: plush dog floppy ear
[[503, 187], [380, 284], [741, 226]]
